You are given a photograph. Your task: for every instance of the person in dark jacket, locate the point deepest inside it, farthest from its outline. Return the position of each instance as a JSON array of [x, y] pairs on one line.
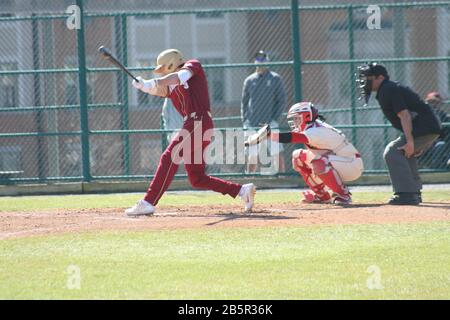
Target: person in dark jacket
[[263, 101]]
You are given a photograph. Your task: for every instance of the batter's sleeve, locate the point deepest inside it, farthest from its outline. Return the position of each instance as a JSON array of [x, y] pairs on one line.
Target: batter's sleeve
[[194, 66]]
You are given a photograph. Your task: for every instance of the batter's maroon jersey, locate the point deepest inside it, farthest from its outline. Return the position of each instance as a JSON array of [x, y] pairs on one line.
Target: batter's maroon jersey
[[196, 97]]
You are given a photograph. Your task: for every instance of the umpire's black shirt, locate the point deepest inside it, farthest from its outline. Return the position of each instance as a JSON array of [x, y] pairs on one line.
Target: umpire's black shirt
[[394, 98]]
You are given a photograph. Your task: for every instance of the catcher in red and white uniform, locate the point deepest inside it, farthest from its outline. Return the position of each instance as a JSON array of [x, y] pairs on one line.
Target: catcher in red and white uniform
[[329, 159]]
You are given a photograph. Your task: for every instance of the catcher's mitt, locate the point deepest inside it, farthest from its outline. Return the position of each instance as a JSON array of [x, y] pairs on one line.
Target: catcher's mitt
[[256, 138]]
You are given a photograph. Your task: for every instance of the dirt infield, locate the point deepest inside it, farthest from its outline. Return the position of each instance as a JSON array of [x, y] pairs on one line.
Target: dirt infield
[[26, 224]]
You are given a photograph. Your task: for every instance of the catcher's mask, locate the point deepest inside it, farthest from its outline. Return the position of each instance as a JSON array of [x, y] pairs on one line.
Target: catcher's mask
[[301, 115], [364, 83]]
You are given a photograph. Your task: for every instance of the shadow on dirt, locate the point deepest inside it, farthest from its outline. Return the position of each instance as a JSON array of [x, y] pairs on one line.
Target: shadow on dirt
[[435, 205], [341, 206], [253, 216]]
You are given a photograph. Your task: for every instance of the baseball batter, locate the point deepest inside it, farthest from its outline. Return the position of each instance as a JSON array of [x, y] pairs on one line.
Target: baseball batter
[[328, 161], [184, 82]]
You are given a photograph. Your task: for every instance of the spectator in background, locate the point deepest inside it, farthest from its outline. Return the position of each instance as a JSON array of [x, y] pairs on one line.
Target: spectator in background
[[263, 101], [439, 154]]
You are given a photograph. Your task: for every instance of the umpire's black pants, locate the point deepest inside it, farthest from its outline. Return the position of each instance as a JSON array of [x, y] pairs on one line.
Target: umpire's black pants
[[403, 171]]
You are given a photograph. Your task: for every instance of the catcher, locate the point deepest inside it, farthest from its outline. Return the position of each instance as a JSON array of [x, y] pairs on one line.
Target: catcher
[[329, 159]]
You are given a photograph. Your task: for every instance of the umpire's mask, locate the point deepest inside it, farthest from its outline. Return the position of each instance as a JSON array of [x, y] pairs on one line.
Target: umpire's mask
[[365, 84]]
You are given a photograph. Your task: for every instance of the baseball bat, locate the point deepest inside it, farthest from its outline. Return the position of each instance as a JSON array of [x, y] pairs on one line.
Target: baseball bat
[[106, 54]]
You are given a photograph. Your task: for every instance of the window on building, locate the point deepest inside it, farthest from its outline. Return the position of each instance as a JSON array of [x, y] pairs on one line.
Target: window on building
[[71, 90], [71, 83], [6, 8], [10, 158], [72, 162], [8, 86], [216, 79]]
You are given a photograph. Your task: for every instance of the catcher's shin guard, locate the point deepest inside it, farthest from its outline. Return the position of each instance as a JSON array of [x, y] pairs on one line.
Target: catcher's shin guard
[[317, 193], [325, 171]]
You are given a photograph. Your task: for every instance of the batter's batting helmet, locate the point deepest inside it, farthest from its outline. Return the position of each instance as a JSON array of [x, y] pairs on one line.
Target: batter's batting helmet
[[301, 114], [168, 61]]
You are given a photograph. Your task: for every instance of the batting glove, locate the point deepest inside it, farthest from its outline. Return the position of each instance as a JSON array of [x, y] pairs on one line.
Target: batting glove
[[138, 85], [144, 85]]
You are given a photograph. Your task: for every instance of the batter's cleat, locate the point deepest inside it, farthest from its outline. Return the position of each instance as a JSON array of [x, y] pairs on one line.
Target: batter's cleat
[[247, 194], [341, 199], [141, 208], [311, 197]]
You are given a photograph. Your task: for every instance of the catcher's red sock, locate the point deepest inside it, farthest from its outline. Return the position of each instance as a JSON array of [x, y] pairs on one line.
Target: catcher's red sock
[[312, 197]]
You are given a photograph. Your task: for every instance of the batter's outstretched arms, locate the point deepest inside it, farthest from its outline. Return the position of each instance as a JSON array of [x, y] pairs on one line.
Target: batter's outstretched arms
[[160, 86]]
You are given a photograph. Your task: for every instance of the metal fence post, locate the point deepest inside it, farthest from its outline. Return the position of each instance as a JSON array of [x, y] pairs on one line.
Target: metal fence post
[[296, 47], [37, 97], [121, 45], [84, 115], [351, 53]]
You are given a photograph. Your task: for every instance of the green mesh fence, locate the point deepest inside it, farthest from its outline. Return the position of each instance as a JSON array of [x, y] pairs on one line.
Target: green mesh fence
[[67, 115]]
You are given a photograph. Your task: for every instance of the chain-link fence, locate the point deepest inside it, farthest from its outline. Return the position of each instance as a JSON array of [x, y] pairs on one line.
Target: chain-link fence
[[66, 115]]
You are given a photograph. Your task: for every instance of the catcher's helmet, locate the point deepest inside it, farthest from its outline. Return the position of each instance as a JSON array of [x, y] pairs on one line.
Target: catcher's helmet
[[168, 61], [302, 114], [365, 85]]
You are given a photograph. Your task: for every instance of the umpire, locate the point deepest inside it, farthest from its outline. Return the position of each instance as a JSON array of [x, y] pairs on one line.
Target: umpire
[[419, 125]]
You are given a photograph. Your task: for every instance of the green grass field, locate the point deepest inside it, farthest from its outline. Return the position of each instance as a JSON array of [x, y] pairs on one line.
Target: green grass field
[[178, 199], [390, 261]]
